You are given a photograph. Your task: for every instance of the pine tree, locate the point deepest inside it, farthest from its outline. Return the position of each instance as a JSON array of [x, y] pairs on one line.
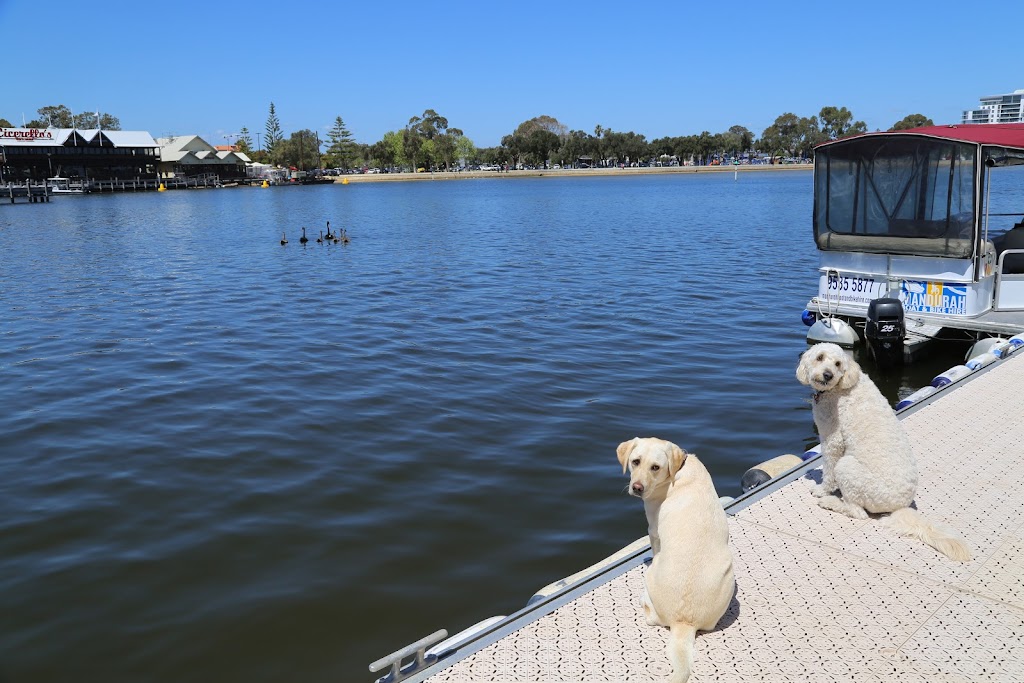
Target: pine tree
[[342, 149], [244, 142], [273, 131]]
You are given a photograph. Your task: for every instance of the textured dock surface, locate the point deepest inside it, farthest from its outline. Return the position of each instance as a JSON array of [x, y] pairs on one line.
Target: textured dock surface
[[822, 597]]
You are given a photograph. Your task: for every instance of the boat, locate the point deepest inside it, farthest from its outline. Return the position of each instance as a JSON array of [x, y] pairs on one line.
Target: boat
[[913, 244], [59, 185]]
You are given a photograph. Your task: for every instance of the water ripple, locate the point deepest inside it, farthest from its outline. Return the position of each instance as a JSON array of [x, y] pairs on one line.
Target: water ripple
[[224, 459]]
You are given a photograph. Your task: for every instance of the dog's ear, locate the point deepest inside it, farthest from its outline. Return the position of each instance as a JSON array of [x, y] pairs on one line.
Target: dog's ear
[[851, 375], [676, 458], [623, 451], [801, 372]]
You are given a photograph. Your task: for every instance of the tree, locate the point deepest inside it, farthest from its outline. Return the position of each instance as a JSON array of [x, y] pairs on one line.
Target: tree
[[790, 135], [59, 116], [244, 142], [465, 150], [395, 142], [4, 123], [429, 154], [97, 120], [273, 135], [705, 146], [301, 150], [738, 140], [445, 145], [428, 126], [342, 149], [912, 121], [684, 147], [433, 128], [535, 140], [624, 147], [411, 143], [539, 145], [512, 148], [838, 123], [542, 122], [573, 147], [53, 116], [809, 135]]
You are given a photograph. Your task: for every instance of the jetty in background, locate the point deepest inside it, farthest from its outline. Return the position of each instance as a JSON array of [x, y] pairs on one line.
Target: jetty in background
[[35, 192]]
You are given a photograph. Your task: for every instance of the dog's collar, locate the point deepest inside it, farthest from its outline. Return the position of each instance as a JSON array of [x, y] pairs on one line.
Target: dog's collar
[[817, 395]]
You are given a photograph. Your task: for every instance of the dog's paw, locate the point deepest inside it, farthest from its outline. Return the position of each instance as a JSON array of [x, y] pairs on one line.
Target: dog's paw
[[842, 507], [857, 513], [820, 490]]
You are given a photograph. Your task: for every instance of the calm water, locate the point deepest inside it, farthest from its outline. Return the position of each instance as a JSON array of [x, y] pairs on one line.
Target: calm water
[[224, 459]]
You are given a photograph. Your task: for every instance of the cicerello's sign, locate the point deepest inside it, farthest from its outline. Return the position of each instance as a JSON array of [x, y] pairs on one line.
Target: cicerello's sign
[[26, 134]]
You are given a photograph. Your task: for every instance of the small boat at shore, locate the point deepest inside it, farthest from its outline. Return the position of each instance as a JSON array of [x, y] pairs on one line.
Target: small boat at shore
[[59, 185], [911, 250]]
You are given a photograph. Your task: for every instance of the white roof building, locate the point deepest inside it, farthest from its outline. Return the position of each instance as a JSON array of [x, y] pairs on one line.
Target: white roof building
[[69, 137], [38, 153], [183, 155]]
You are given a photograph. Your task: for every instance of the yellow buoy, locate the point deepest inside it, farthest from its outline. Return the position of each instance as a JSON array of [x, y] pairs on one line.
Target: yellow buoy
[[161, 188], [344, 181], [265, 184]]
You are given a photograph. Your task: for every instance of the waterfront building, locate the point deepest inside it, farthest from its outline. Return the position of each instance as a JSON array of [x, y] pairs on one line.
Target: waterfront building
[[40, 153], [190, 155], [997, 109]]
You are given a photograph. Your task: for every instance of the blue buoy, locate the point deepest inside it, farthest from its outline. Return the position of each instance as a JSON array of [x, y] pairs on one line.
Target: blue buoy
[[949, 376], [922, 393], [808, 317]]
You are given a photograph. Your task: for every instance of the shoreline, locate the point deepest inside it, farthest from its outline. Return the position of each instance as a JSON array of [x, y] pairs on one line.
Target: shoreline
[[564, 173]]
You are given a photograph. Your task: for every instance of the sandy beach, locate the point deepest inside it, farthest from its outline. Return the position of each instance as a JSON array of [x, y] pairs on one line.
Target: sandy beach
[[566, 172]]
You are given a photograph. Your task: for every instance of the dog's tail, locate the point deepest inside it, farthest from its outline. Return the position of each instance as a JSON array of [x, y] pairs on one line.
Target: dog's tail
[[680, 651], [909, 522]]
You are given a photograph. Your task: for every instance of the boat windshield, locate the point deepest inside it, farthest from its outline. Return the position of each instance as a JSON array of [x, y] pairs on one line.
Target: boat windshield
[[905, 195]]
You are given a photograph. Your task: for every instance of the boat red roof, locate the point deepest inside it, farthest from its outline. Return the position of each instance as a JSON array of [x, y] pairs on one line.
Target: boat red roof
[[997, 134]]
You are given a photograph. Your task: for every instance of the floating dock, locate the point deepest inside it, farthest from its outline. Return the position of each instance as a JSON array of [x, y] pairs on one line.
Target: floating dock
[[820, 597]]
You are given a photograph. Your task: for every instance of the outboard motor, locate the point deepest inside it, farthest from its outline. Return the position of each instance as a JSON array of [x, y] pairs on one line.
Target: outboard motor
[[885, 331]]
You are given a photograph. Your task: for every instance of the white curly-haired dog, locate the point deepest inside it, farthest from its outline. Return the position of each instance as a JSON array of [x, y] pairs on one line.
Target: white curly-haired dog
[[690, 582], [866, 453]]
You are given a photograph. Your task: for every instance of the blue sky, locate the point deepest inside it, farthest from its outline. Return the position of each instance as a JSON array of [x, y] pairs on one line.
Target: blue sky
[[657, 68]]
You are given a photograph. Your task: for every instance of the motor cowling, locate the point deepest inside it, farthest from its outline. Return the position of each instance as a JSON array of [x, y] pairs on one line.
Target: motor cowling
[[885, 331]]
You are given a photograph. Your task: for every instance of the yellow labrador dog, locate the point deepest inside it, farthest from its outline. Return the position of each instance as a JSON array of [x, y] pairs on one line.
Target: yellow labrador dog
[[866, 454], [690, 581]]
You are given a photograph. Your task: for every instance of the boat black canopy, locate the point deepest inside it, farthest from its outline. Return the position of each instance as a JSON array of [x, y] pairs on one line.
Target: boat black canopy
[[914, 192]]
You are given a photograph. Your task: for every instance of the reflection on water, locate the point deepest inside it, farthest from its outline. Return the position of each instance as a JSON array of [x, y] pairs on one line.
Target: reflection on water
[[224, 459]]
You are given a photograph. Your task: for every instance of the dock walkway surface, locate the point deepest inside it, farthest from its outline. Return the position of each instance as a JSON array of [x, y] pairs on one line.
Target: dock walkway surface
[[820, 597]]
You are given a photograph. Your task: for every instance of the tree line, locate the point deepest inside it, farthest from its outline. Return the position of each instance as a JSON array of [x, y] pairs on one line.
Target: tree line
[[60, 116], [428, 141]]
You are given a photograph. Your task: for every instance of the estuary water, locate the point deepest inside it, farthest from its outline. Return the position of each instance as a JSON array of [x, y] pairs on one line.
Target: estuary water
[[223, 459]]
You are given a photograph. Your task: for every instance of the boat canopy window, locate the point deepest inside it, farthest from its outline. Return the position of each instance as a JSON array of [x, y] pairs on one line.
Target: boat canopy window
[[1000, 156], [904, 195]]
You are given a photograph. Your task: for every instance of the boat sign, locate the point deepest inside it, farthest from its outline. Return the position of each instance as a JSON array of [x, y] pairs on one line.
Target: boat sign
[[933, 297], [850, 288]]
